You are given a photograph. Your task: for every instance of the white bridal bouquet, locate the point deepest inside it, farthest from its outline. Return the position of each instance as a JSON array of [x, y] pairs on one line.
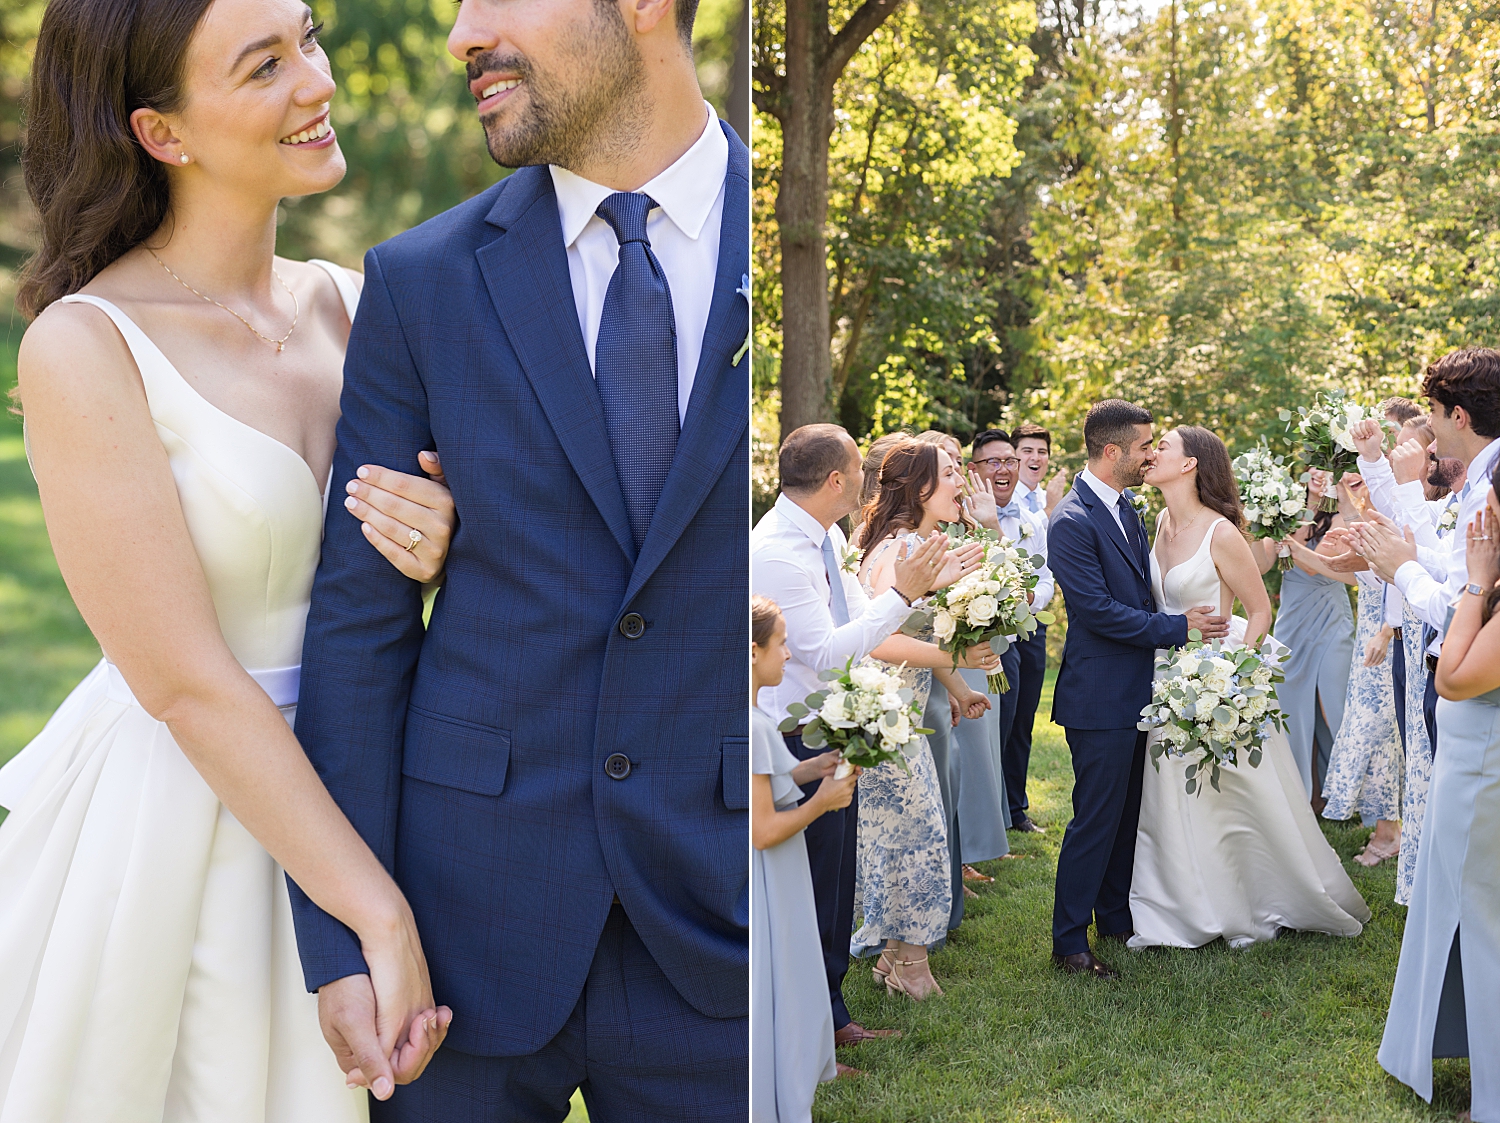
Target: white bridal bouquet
[[1322, 435], [987, 605], [1215, 702], [866, 713], [1271, 496]]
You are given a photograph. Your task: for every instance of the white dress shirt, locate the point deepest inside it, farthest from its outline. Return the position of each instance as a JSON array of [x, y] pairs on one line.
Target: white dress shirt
[[786, 564], [1110, 496], [1029, 531], [684, 231], [1428, 596]]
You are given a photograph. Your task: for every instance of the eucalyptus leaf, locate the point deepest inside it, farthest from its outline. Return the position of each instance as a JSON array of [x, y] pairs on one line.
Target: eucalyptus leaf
[[797, 709]]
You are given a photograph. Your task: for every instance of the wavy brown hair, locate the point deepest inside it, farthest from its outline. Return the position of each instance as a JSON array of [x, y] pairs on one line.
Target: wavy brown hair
[[97, 192], [1217, 488], [908, 477]]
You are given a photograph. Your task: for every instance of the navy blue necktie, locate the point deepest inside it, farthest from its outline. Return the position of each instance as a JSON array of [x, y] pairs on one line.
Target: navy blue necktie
[[635, 363]]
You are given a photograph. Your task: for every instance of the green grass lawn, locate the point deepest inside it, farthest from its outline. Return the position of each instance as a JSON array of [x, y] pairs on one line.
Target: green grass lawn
[[1279, 1032]]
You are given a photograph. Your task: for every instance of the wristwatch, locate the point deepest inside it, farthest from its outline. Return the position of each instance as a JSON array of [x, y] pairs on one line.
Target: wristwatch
[[1477, 590]]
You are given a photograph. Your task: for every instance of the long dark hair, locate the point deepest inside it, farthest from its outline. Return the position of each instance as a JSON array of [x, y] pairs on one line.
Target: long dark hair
[[97, 192], [908, 477], [1217, 489]]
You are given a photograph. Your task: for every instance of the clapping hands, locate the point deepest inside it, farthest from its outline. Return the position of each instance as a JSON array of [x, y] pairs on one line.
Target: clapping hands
[[1383, 544]]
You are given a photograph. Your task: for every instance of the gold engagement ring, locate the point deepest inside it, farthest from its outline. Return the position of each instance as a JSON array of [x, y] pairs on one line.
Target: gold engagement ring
[[414, 538]]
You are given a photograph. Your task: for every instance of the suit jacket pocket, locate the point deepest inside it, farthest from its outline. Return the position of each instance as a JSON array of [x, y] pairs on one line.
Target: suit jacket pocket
[[736, 752], [455, 753]]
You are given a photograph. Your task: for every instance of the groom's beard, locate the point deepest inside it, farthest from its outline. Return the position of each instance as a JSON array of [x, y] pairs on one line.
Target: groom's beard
[[596, 112]]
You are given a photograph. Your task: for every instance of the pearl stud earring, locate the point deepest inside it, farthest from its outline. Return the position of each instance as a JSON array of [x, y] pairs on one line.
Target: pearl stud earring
[[183, 158]]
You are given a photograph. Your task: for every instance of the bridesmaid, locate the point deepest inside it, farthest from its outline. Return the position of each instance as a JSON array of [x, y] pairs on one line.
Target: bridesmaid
[[791, 1035], [1443, 1004], [1316, 622], [904, 871], [1365, 765]]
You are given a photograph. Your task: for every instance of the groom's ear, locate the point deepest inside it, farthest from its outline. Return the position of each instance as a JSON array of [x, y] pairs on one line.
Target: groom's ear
[[645, 16]]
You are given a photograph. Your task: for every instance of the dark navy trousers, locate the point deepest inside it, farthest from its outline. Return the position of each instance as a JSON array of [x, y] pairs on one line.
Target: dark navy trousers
[[1398, 684], [832, 840], [1098, 850], [1015, 748], [639, 1053]]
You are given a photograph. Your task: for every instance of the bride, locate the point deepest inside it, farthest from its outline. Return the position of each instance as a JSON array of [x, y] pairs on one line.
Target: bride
[[1248, 860], [181, 387]]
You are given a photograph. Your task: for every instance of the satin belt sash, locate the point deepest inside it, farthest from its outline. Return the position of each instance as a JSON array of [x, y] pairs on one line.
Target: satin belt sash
[[280, 683]]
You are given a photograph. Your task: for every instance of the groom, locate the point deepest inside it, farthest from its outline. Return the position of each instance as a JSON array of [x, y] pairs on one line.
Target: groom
[[556, 769], [1099, 553]]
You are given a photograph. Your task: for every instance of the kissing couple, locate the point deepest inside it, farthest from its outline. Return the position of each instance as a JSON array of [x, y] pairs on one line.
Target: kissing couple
[[517, 832], [1144, 861]]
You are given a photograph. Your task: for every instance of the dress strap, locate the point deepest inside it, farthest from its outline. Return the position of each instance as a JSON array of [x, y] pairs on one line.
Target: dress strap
[[341, 281], [157, 373]]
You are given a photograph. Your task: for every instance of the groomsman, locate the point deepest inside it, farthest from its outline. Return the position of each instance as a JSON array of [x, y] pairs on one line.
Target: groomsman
[[1034, 448], [797, 554], [1463, 389], [995, 461]]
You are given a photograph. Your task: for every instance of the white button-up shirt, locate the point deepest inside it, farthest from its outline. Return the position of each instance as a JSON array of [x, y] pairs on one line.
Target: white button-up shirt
[[1110, 496], [684, 231], [1029, 531], [786, 564], [1430, 594]]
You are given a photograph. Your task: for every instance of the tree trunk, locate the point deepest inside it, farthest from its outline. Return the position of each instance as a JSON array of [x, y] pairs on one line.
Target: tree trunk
[[801, 212]]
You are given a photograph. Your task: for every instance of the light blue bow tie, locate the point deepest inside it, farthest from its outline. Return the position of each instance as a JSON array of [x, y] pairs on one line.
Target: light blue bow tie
[[1011, 510]]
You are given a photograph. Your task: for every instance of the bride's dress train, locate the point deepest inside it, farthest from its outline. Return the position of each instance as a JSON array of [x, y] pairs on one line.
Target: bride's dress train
[[148, 966], [1240, 862]]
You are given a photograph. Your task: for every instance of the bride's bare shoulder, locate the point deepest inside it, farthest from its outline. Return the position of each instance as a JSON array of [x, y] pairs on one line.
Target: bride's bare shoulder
[[73, 347]]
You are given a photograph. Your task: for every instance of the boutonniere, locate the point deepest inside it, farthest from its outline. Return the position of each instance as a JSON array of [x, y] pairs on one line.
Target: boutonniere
[[743, 290], [1138, 501], [1449, 518], [849, 559]]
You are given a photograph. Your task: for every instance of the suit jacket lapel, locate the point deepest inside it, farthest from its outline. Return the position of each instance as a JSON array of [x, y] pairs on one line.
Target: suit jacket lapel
[[1104, 521], [526, 271], [718, 410]]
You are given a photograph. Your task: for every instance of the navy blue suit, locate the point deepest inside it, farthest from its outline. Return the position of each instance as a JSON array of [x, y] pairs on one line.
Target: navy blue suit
[[1104, 681], [471, 756]]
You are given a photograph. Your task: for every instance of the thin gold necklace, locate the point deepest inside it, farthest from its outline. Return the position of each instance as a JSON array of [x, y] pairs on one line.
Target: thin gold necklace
[[1185, 525], [277, 343]]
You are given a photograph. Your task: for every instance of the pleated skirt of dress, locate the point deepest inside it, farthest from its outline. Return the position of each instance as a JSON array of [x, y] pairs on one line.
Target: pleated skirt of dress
[[150, 966]]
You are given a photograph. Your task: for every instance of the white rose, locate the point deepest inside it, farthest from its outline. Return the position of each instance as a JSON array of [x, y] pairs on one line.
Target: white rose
[[1291, 506], [982, 610], [899, 731], [1252, 514], [943, 625], [1352, 413], [867, 677], [890, 701], [835, 708]]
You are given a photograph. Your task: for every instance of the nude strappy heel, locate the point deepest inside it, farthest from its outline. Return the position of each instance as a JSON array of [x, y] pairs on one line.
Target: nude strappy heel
[[895, 984]]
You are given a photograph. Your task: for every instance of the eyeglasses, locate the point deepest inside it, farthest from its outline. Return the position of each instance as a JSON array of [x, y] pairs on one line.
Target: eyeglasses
[[1000, 461]]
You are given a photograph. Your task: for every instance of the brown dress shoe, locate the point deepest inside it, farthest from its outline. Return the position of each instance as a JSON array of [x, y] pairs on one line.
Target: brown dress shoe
[[854, 1033], [845, 1070], [1084, 963]]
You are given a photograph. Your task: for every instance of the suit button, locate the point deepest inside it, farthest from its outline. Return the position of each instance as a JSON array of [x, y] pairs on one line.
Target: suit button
[[632, 626], [617, 765]]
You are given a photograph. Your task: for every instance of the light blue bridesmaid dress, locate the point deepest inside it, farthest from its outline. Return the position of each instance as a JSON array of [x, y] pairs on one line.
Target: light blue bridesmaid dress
[[1316, 622], [791, 1019], [1445, 999], [982, 811]]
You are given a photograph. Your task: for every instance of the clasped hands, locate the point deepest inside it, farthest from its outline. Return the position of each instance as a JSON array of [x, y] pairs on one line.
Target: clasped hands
[[384, 1027], [1376, 544]]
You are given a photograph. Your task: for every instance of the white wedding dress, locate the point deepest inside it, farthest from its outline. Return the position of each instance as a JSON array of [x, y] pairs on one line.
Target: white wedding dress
[[148, 966], [1243, 861]]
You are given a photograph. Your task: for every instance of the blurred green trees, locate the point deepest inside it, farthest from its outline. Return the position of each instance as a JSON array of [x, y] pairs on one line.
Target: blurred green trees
[[1216, 207]]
